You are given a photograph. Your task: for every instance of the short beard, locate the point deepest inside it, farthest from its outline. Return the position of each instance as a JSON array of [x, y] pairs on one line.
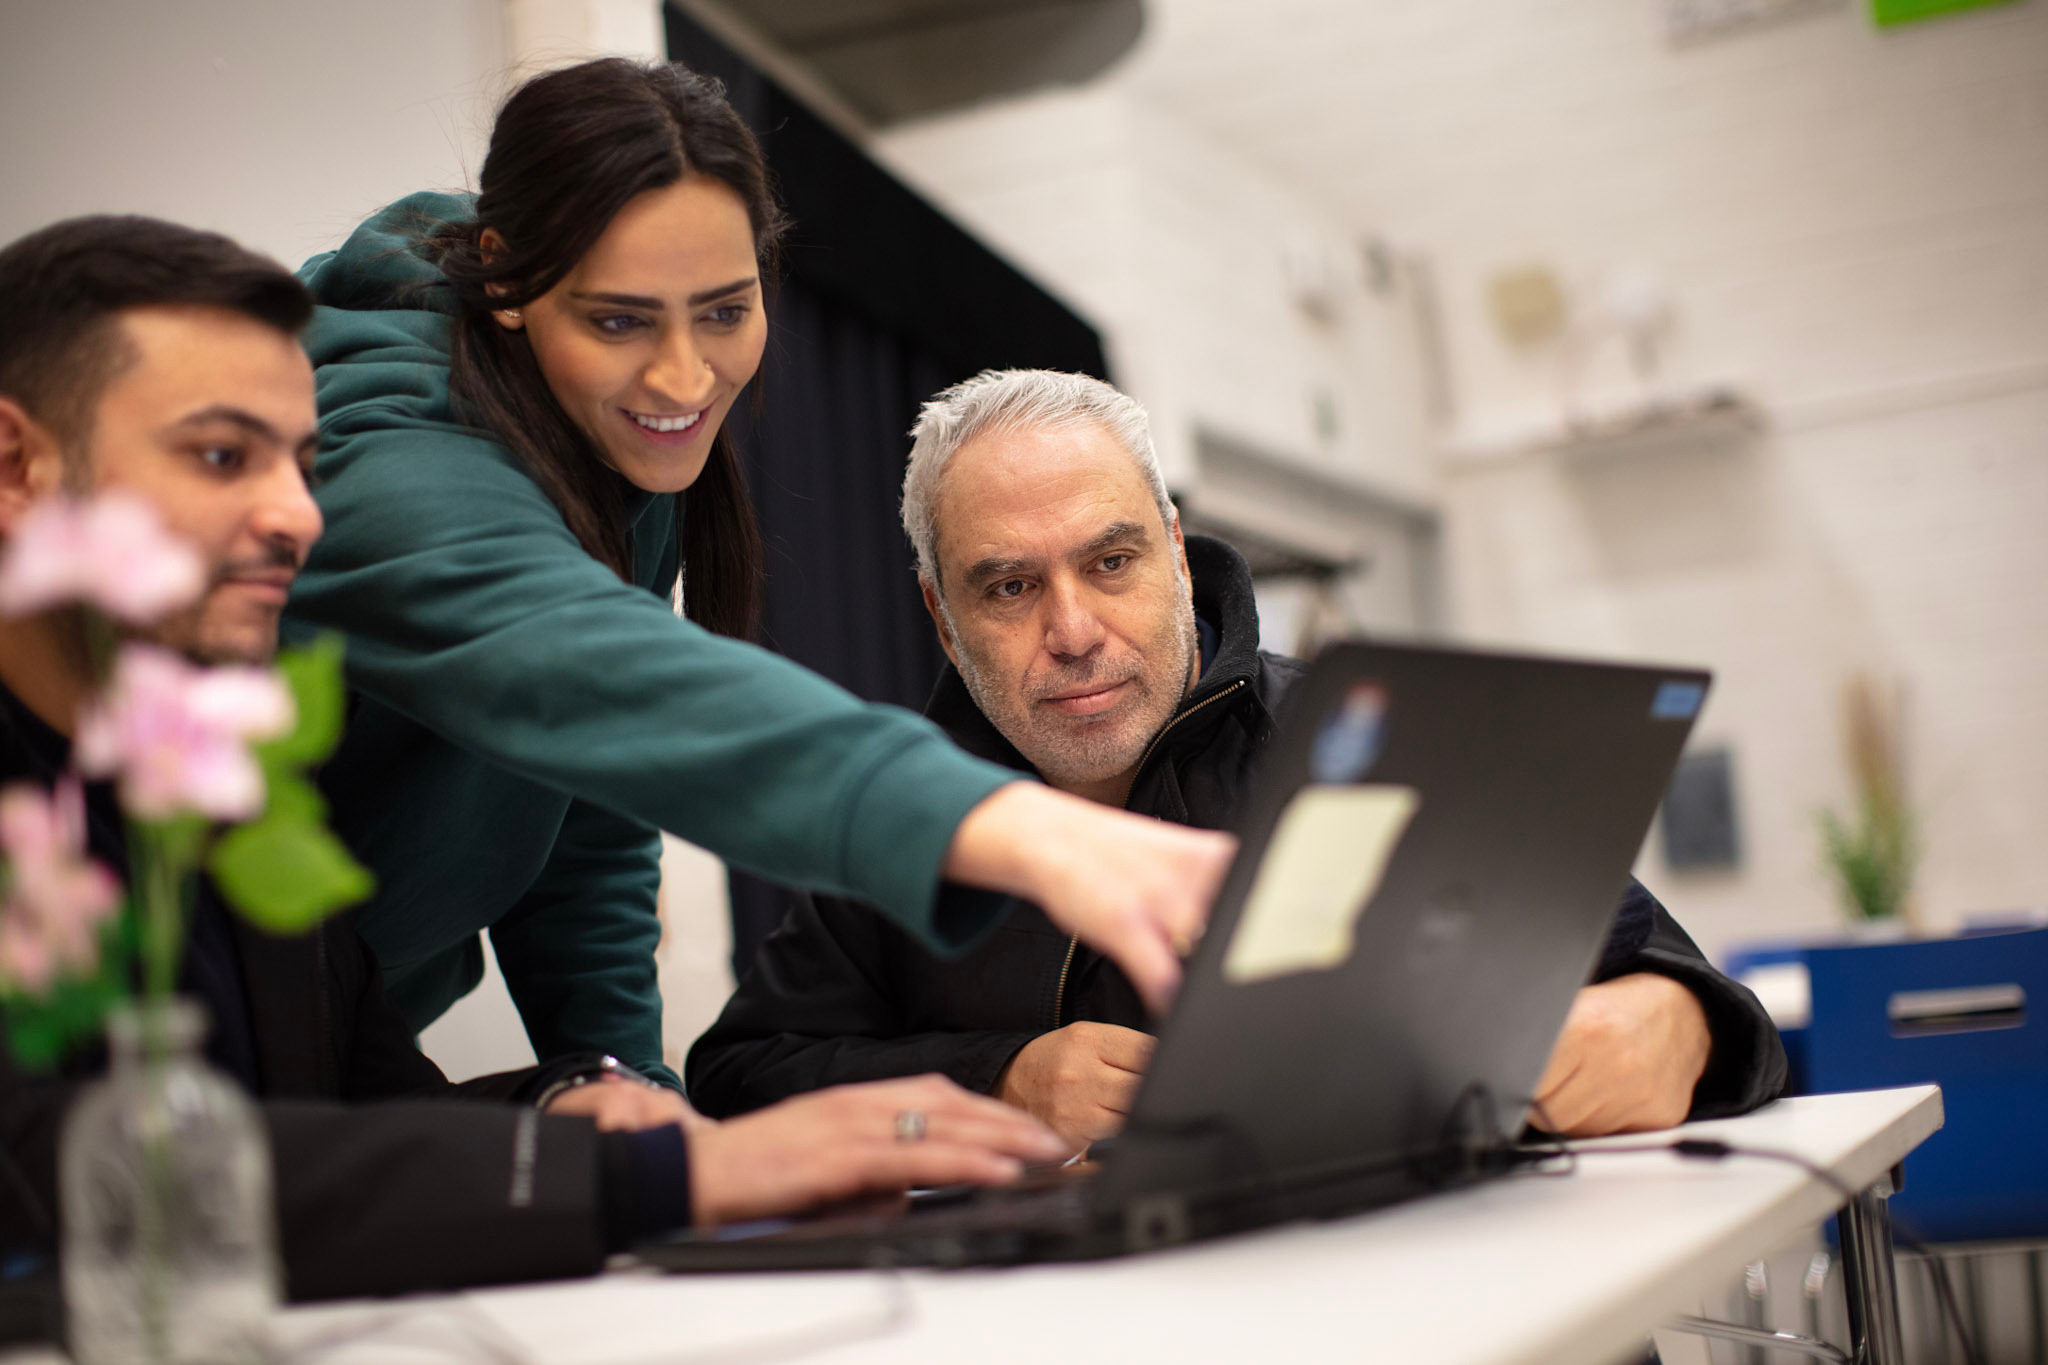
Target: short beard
[[181, 630], [1078, 760]]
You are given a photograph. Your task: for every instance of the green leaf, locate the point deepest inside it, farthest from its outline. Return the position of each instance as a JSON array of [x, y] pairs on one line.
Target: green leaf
[[313, 673], [293, 798], [286, 874], [1872, 859]]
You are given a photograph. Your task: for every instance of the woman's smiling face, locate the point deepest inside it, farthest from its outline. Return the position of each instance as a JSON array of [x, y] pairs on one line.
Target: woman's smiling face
[[649, 338]]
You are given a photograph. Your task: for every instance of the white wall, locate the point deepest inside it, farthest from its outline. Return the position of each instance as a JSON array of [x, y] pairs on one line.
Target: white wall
[[280, 122]]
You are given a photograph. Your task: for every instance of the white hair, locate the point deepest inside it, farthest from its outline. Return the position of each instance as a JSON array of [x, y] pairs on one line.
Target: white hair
[[1014, 400]]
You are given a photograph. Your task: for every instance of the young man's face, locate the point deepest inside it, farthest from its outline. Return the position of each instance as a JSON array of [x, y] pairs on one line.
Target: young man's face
[[1066, 601], [212, 419]]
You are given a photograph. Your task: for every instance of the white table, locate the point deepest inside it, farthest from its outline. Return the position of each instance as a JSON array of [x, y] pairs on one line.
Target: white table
[[1528, 1269]]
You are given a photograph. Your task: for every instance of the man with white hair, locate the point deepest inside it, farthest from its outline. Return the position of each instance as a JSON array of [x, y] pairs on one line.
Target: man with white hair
[[1094, 644]]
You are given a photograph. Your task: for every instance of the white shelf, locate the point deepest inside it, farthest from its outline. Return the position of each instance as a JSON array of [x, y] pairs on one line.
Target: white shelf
[[1712, 414]]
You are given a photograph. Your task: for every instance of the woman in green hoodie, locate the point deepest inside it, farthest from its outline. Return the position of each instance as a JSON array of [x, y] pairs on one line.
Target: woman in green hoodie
[[516, 391]]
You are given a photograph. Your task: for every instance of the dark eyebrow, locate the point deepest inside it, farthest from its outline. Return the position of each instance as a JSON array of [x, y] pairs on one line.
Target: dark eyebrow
[[653, 305], [248, 422], [233, 416], [707, 295], [1120, 533], [992, 569]]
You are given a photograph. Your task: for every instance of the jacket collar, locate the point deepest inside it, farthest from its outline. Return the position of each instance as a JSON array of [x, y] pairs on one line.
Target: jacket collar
[[1223, 597]]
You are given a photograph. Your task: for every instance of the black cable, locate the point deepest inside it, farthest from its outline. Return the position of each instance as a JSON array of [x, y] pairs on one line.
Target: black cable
[[1712, 1149]]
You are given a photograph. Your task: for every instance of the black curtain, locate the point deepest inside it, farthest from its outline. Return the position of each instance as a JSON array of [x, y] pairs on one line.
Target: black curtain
[[882, 302], [824, 460]]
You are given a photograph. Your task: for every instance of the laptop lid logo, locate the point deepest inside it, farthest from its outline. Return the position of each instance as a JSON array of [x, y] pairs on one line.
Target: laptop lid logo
[[1349, 740], [1676, 700]]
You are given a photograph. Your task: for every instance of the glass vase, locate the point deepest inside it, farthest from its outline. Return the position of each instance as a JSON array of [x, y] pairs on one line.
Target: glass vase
[[169, 1248]]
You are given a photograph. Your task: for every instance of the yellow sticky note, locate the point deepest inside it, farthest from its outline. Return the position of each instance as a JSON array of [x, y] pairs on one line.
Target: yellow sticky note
[[1322, 866]]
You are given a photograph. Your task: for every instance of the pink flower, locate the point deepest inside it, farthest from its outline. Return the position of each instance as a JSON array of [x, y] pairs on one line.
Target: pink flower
[[111, 552], [177, 735], [55, 897]]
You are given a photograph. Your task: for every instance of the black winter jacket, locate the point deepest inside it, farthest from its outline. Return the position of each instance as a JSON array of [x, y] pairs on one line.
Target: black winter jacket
[[413, 1192], [838, 994]]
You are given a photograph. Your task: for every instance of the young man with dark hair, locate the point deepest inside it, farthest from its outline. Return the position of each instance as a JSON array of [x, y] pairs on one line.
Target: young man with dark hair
[[142, 356], [1094, 645]]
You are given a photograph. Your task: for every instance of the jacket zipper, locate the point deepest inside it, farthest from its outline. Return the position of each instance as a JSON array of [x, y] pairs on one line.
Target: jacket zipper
[[1059, 997]]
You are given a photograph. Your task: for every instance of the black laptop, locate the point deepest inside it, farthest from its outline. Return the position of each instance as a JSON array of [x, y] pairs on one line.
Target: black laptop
[[1431, 857]]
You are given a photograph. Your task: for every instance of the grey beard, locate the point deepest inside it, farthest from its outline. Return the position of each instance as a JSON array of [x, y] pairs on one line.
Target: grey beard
[[1086, 766]]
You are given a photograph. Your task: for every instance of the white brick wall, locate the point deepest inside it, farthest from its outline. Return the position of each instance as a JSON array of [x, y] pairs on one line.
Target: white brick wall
[[1177, 249]]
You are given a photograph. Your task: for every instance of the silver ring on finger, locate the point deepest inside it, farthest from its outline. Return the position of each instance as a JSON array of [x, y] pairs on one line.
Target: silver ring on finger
[[910, 1125]]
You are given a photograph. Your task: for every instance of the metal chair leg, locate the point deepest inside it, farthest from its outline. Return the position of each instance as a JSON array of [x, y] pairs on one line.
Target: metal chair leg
[[1869, 1278], [1756, 1308], [1813, 1289], [2037, 1329]]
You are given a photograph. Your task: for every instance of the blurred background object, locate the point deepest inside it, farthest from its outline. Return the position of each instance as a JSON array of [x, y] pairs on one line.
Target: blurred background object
[[893, 60], [1872, 851]]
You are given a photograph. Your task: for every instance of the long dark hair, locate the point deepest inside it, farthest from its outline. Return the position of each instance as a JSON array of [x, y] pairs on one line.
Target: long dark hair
[[569, 148]]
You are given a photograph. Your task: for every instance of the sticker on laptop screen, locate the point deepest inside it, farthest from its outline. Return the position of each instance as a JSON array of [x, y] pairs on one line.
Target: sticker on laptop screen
[[1348, 744], [1319, 873], [1677, 701]]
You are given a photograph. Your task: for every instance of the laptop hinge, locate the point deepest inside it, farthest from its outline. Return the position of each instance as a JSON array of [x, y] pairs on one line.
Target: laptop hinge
[[1156, 1220]]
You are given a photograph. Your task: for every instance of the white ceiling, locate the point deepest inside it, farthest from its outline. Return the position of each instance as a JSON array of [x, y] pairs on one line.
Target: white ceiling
[[1407, 107]]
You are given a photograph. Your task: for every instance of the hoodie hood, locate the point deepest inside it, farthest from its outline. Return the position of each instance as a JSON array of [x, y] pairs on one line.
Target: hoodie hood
[[383, 264]]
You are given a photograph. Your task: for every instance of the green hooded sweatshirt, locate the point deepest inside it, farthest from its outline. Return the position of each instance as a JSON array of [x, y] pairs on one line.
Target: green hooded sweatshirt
[[522, 721]]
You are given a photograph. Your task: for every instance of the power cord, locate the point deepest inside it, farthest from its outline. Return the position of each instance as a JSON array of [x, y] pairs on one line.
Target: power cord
[[1712, 1149]]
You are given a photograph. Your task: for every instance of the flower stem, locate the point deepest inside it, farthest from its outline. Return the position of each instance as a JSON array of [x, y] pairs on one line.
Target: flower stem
[[159, 875], [162, 865]]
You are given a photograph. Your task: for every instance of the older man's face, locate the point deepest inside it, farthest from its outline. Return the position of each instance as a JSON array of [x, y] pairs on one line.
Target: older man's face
[[1064, 601]]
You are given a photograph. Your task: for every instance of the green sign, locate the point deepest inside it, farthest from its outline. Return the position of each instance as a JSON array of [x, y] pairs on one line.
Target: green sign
[[1891, 12]]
